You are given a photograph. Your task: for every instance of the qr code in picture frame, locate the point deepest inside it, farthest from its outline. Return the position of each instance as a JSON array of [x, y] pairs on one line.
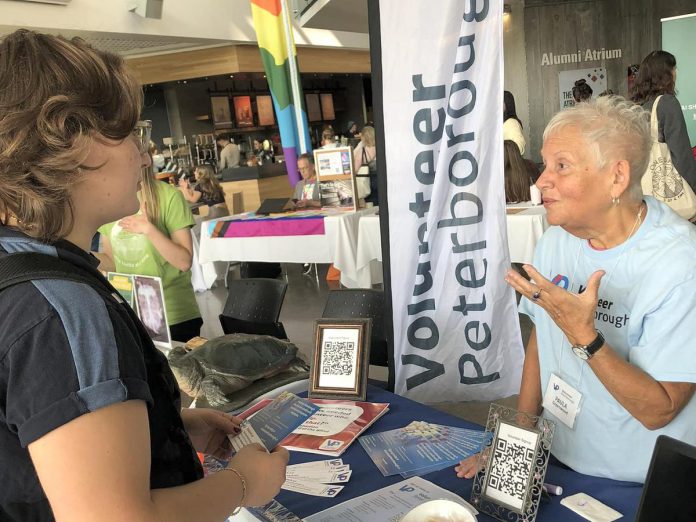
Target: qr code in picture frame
[[338, 358], [512, 465]]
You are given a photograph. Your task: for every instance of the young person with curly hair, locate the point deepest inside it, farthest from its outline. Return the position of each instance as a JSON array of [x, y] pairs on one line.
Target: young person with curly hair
[[91, 425]]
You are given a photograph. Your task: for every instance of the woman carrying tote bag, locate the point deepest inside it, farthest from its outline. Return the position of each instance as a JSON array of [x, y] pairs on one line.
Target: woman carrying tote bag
[[671, 174]]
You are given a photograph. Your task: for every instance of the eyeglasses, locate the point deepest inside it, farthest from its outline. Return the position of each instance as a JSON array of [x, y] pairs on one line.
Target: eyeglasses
[[142, 133]]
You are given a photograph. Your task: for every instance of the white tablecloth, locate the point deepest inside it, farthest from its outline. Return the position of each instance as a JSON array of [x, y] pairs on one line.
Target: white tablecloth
[[338, 245], [524, 230], [203, 275]]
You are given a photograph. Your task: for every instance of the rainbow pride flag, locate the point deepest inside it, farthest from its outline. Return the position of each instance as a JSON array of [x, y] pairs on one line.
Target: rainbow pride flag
[[277, 46]]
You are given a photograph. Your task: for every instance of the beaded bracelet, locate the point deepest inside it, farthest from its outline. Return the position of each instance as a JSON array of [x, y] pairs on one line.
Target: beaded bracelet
[[244, 488]]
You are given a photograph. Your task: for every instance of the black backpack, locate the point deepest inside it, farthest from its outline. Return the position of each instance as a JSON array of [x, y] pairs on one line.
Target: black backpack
[[28, 266], [178, 462]]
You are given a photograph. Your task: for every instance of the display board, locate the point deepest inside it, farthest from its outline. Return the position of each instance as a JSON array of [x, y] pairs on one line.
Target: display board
[[678, 38]]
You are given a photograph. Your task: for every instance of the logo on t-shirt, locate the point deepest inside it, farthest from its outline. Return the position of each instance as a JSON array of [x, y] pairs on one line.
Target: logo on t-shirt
[[561, 281]]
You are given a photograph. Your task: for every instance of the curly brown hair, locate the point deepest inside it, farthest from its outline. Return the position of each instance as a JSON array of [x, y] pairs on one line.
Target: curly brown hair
[[655, 76], [56, 97]]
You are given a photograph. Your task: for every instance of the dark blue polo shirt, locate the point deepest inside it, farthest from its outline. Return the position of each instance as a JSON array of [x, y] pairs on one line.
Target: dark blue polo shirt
[[67, 349]]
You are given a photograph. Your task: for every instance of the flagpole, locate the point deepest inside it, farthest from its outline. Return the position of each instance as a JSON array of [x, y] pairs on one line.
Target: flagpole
[[294, 77]]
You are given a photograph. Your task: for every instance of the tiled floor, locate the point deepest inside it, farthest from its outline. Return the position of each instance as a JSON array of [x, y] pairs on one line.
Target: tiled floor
[[304, 302]]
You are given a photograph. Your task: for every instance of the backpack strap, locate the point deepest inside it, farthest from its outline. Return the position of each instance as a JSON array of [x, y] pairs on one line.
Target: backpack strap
[[28, 266]]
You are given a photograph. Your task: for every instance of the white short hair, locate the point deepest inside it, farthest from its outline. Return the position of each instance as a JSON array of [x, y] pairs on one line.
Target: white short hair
[[615, 129]]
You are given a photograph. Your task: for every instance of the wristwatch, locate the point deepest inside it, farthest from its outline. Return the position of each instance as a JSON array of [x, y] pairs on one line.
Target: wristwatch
[[587, 352]]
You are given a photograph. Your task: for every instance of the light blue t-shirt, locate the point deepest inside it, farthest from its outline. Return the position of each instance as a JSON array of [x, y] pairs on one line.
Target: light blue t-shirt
[[647, 314]]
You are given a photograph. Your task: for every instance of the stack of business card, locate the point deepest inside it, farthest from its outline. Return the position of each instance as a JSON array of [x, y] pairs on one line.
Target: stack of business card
[[319, 478]]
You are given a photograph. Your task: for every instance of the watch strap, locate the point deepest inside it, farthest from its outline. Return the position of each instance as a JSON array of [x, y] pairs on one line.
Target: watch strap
[[595, 345]]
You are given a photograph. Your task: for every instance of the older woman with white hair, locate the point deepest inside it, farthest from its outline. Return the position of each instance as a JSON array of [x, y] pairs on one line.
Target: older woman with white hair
[[612, 356]]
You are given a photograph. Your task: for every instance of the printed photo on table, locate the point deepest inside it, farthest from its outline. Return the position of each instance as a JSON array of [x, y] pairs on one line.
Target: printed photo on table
[[151, 310]]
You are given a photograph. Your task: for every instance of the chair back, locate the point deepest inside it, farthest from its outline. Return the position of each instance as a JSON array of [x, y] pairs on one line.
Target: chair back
[[231, 325], [217, 211], [362, 303], [255, 300]]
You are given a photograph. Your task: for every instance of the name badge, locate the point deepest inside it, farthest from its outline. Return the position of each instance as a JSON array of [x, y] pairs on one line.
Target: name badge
[[562, 400]]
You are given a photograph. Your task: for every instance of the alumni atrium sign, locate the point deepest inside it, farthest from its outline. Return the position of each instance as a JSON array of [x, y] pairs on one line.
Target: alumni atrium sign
[[588, 55]]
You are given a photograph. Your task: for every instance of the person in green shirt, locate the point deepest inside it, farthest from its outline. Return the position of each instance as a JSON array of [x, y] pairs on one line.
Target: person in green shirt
[[157, 242]]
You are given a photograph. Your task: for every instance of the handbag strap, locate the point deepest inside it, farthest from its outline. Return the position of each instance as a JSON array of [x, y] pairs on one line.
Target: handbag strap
[[653, 120]]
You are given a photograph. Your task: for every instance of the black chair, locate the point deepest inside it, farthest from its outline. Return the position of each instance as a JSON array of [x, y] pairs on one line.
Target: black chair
[[362, 303], [253, 307]]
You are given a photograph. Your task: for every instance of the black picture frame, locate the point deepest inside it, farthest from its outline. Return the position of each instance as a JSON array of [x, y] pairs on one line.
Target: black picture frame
[[341, 359]]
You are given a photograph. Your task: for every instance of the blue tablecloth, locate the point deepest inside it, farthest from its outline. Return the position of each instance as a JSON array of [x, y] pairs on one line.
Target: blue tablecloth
[[622, 496]]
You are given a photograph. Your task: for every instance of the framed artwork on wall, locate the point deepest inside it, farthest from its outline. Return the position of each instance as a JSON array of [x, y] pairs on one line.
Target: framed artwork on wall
[[242, 111], [313, 107], [264, 106], [327, 106], [220, 105]]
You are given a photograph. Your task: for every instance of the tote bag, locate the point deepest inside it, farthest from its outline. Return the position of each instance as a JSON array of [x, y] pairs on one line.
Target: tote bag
[[661, 179], [362, 178]]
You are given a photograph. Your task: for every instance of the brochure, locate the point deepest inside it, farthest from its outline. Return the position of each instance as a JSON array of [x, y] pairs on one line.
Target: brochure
[[274, 422], [332, 429], [274, 511], [390, 503], [421, 447]]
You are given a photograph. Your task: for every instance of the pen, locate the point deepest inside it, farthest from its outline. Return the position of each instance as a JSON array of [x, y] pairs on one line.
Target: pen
[[552, 489]]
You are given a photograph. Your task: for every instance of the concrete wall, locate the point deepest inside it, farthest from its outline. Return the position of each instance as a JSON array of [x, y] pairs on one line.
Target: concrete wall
[[563, 27], [515, 62]]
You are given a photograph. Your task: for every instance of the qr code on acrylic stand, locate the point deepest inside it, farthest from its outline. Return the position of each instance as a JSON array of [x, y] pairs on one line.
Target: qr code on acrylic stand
[[337, 358]]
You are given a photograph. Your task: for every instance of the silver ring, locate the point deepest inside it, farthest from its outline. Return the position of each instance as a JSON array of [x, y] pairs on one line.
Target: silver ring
[[536, 295]]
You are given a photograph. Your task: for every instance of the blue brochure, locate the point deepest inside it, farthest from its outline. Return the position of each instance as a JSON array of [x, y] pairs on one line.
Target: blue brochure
[[420, 448], [273, 512], [274, 422]]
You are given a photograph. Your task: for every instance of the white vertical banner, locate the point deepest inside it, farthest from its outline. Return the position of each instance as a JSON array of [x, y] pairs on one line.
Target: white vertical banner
[[456, 331]]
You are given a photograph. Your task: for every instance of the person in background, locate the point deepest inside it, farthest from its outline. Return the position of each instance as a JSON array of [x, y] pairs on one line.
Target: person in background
[[207, 188], [92, 426], [582, 92], [306, 192], [229, 152], [158, 160], [328, 139], [365, 155], [263, 152], [611, 358], [352, 130], [157, 242], [657, 77], [512, 126], [518, 177]]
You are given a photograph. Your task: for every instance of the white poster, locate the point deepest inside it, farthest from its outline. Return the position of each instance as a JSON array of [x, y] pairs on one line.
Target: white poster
[[596, 78], [456, 330]]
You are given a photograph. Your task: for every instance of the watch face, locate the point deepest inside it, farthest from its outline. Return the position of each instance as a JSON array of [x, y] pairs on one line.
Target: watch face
[[581, 352]]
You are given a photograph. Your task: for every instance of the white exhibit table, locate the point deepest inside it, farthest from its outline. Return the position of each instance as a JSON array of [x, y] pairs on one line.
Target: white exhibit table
[[338, 245], [524, 229], [525, 222]]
